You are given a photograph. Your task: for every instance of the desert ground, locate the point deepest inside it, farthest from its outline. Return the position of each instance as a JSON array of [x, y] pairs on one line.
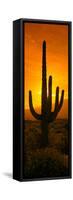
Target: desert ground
[[52, 160]]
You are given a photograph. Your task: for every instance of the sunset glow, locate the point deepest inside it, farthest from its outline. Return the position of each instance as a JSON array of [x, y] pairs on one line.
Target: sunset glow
[[56, 37]]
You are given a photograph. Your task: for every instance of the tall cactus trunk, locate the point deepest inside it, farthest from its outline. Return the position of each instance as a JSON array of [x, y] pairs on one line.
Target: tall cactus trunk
[[44, 131], [44, 123], [44, 82]]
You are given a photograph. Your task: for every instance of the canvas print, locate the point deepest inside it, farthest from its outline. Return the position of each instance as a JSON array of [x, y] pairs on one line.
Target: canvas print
[[46, 105]]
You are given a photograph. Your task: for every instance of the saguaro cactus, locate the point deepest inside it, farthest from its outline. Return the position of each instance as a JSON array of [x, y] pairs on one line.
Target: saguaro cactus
[[46, 115]]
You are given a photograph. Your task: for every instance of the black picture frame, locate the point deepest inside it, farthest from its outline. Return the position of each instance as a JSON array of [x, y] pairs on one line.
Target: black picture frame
[[18, 96]]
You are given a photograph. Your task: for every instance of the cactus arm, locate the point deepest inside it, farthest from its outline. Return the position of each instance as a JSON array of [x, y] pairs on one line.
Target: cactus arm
[[50, 93], [61, 100], [36, 115], [57, 98], [52, 115], [58, 105]]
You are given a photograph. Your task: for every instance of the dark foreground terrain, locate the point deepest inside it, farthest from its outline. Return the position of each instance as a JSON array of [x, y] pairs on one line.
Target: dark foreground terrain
[[51, 161]]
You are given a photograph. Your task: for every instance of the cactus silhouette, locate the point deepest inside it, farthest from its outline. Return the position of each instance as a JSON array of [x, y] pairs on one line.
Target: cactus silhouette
[[46, 115]]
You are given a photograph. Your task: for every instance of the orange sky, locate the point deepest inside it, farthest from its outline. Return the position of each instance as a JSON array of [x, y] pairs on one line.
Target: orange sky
[[56, 37]]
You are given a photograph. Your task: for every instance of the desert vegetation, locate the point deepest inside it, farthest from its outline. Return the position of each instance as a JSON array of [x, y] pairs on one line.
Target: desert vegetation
[[51, 161]]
